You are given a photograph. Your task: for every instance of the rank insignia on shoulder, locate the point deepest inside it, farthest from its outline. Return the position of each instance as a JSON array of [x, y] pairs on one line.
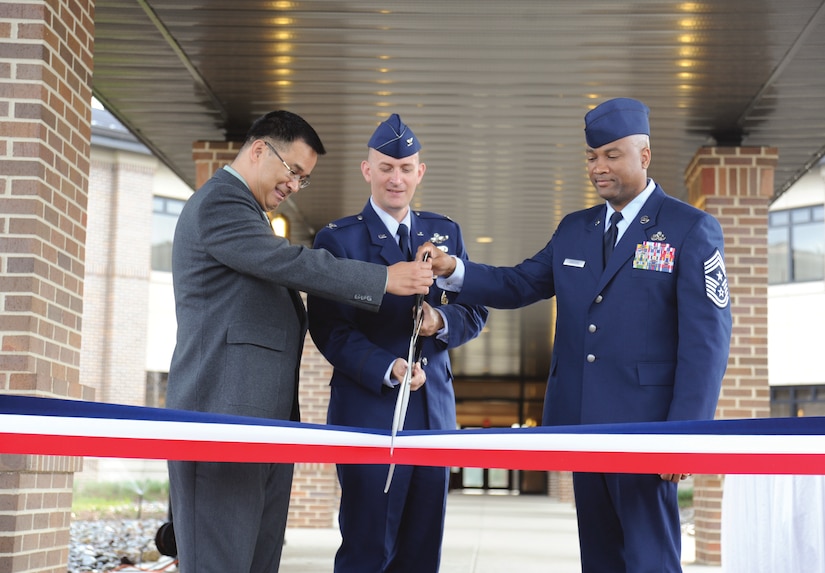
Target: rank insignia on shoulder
[[437, 238], [716, 280], [332, 226]]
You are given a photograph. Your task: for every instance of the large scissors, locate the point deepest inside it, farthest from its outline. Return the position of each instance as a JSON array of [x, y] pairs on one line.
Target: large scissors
[[403, 399]]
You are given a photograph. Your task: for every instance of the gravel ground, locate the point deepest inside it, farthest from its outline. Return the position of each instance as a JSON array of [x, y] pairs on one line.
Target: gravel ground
[[108, 542], [105, 545]]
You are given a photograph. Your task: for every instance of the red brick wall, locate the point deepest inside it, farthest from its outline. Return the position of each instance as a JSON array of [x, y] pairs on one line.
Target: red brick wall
[[560, 486], [735, 184], [38, 507], [209, 156], [45, 114], [315, 491]]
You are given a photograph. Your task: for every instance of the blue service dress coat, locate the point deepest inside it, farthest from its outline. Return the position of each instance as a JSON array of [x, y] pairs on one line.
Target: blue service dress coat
[[645, 338], [241, 326], [361, 346]]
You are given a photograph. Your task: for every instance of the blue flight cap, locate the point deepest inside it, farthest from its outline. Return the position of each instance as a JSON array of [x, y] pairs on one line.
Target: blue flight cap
[[615, 119], [392, 137]]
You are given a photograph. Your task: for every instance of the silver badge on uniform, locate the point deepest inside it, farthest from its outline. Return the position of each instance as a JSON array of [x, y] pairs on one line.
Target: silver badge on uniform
[[716, 280], [437, 239]]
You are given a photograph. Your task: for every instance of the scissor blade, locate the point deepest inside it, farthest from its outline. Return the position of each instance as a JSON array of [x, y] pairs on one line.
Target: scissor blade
[[402, 402], [389, 478], [399, 414], [404, 391]]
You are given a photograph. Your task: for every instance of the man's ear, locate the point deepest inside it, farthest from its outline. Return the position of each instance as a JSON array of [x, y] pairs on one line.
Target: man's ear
[[257, 150], [646, 154], [366, 171]]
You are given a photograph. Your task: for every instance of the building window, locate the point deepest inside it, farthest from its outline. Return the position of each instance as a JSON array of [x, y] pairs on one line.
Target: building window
[[796, 245], [165, 212], [797, 401]]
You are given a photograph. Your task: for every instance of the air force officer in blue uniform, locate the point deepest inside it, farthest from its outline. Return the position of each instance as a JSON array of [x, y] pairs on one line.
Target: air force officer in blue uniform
[[400, 531], [642, 331]]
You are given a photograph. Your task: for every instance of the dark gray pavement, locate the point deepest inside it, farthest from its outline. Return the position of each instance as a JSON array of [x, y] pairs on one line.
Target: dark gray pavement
[[484, 534]]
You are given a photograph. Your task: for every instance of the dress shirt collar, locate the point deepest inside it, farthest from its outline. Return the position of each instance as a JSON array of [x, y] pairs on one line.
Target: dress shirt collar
[[234, 172], [631, 209], [389, 221]]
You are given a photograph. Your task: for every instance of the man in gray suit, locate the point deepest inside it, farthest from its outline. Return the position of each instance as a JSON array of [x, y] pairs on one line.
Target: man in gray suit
[[241, 329]]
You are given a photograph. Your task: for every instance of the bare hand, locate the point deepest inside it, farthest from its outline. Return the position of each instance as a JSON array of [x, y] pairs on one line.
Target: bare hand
[[405, 279], [433, 321], [399, 369], [443, 264], [675, 478]]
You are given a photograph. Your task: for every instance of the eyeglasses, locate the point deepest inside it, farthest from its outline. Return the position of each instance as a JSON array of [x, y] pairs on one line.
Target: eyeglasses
[[303, 180]]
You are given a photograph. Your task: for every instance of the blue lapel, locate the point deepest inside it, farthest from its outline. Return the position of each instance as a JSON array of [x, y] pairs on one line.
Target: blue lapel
[[383, 243], [638, 232]]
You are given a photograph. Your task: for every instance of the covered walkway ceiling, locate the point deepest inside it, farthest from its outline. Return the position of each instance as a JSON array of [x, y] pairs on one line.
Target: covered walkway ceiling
[[496, 92]]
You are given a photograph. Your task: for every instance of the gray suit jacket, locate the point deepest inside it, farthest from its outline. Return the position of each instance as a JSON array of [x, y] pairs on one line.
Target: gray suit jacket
[[241, 321]]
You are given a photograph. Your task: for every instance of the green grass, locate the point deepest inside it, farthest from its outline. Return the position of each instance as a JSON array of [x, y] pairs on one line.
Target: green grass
[[97, 500], [685, 497]]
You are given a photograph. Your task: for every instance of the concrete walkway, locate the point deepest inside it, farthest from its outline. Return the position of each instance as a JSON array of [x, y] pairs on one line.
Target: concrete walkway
[[484, 534]]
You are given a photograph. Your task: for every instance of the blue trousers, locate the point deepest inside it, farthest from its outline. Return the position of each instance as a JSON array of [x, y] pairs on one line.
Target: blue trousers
[[397, 532], [628, 523]]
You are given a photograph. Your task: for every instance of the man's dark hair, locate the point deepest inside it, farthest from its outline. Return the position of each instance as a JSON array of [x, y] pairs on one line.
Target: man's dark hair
[[285, 127]]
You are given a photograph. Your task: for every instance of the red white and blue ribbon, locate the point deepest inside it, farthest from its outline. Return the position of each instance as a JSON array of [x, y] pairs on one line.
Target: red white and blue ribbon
[[47, 426]]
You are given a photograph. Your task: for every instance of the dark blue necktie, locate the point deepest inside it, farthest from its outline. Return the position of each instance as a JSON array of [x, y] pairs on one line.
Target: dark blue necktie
[[610, 235], [404, 241]]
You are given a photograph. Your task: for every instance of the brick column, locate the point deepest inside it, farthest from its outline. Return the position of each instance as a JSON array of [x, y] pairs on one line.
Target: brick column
[[209, 156], [45, 113], [315, 486], [315, 490], [560, 487], [735, 184]]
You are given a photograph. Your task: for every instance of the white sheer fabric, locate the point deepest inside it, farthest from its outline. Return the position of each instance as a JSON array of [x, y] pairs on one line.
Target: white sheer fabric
[[773, 524]]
